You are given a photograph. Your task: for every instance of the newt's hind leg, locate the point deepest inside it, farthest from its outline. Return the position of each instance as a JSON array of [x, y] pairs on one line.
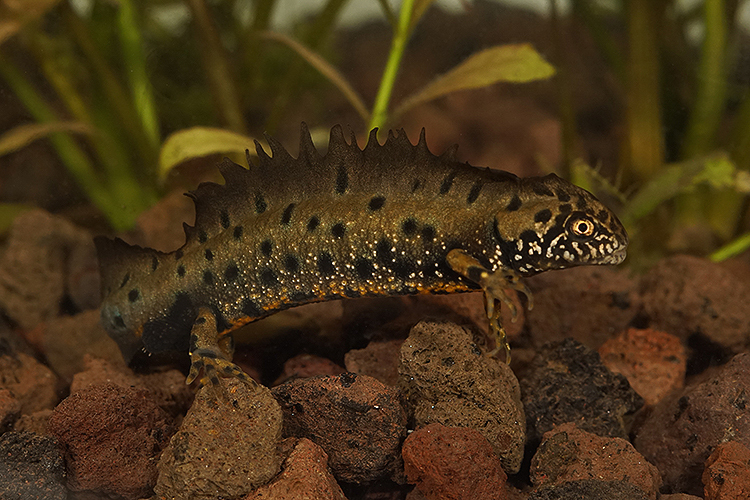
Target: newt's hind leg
[[212, 355], [494, 284]]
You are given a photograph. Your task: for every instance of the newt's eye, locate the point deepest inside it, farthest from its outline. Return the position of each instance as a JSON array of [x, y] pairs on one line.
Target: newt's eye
[[581, 226]]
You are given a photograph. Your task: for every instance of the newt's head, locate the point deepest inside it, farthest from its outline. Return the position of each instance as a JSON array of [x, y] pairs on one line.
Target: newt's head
[[552, 224]]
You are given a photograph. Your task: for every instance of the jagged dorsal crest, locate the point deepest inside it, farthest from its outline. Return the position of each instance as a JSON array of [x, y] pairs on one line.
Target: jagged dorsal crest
[[277, 179]]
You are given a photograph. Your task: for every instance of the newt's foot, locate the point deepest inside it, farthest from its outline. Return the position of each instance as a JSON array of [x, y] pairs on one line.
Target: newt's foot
[[494, 284], [208, 357]]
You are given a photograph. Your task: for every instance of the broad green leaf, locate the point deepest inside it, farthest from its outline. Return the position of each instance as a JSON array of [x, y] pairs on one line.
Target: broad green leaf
[[503, 63], [196, 142], [23, 135]]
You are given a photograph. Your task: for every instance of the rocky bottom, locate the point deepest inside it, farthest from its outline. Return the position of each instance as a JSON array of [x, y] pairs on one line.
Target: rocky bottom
[[620, 387]]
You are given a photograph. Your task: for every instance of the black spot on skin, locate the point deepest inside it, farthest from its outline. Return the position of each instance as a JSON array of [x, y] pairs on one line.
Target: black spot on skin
[[221, 322], [351, 293], [268, 278], [171, 332], [401, 269], [251, 309], [602, 215], [119, 322], [325, 264], [409, 227], [202, 237], [383, 251], [237, 232], [300, 296], [209, 254], [376, 203], [231, 272], [291, 263], [133, 295], [364, 269], [208, 277], [566, 208], [260, 204], [224, 216], [474, 192], [313, 223], [515, 204], [201, 320], [541, 189], [266, 247], [342, 180], [563, 196], [448, 182], [154, 263], [543, 215], [528, 235], [415, 185], [178, 254], [338, 230], [474, 273], [428, 234], [125, 280], [180, 270], [581, 203], [286, 217]]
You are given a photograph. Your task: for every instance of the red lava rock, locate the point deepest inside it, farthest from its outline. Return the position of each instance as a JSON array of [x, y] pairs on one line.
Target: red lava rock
[[589, 304], [34, 265], [589, 489], [698, 301], [727, 473], [357, 420], [305, 475], [447, 379], [110, 437], [224, 449], [567, 382], [570, 454], [10, 409], [67, 340], [378, 360], [28, 381], [447, 462], [653, 362], [684, 428], [31, 468], [679, 496], [166, 388], [309, 365]]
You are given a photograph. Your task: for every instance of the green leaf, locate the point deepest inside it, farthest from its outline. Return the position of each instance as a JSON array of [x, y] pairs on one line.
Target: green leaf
[[503, 63], [196, 142], [23, 135]]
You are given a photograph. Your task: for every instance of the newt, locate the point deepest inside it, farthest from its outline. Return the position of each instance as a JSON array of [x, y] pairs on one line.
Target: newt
[[380, 220]]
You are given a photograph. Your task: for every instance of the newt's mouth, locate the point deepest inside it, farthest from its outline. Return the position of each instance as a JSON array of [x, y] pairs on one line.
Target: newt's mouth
[[617, 256]]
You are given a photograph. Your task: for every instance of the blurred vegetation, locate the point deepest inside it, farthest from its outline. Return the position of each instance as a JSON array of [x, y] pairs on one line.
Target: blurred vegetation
[[114, 93]]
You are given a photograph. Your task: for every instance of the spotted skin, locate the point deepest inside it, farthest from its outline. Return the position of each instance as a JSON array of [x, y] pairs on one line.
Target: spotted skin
[[384, 220]]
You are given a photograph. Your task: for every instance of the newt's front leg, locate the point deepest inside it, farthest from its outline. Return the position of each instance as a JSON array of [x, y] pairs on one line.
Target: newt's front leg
[[212, 355], [494, 284]]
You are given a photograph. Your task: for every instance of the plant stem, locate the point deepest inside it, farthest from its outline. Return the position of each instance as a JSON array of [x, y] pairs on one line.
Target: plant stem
[[216, 68], [645, 147], [712, 83], [135, 64], [379, 115]]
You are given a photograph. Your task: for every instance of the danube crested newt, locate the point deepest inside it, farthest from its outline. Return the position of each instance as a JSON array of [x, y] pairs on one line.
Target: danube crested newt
[[384, 220]]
